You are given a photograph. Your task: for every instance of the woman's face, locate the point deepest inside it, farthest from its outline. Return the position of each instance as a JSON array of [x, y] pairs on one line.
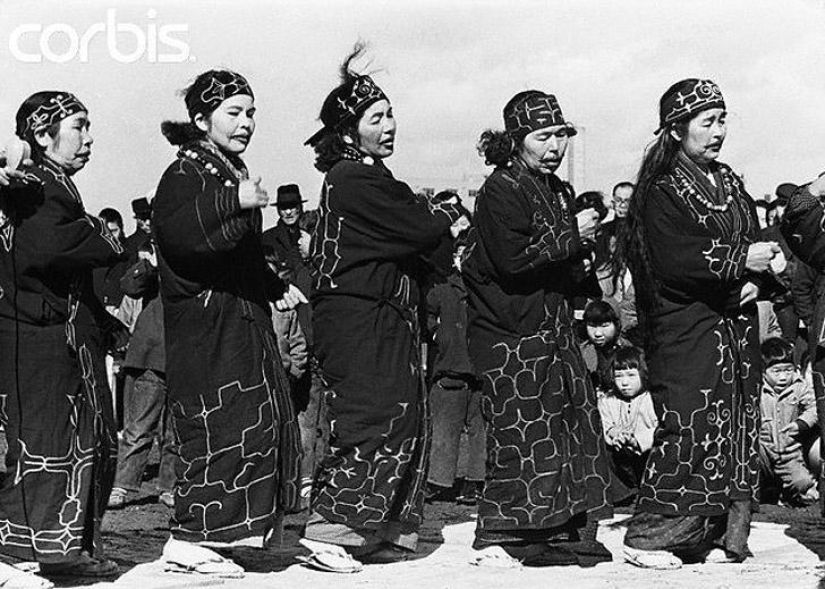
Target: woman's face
[[543, 150], [376, 130], [72, 147], [705, 134], [231, 125]]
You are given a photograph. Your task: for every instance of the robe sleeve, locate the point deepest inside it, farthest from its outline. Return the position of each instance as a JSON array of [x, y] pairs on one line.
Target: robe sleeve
[[196, 218], [685, 256], [803, 226], [66, 241], [514, 246], [386, 213]]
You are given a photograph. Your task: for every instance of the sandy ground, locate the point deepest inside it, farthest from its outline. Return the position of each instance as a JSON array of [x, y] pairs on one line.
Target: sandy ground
[[788, 547]]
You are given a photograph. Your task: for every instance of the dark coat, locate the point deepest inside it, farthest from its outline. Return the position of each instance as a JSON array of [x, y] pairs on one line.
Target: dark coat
[[56, 404], [227, 388], [704, 364], [147, 346], [370, 234], [447, 321], [546, 457]]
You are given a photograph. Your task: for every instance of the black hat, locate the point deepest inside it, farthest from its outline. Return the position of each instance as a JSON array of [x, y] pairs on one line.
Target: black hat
[[785, 191], [288, 196], [142, 209]]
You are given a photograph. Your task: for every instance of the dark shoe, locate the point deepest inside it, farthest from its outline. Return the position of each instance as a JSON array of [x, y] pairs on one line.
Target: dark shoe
[[589, 552], [386, 554], [433, 493], [552, 555], [470, 493]]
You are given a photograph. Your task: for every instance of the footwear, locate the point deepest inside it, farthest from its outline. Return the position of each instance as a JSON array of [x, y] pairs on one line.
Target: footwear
[[720, 556], [117, 498], [167, 498], [552, 555], [433, 493], [330, 558], [652, 559], [185, 557], [13, 578], [386, 554], [84, 566], [470, 493], [494, 557], [589, 552]]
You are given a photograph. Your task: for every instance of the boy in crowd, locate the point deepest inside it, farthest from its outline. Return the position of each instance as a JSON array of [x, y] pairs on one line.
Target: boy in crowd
[[455, 398], [789, 444]]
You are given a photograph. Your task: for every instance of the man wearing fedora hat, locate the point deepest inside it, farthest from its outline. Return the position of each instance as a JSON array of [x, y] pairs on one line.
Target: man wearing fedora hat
[[142, 211], [288, 244]]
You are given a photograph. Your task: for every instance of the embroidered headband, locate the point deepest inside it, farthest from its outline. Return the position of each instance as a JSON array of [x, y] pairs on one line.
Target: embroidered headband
[[346, 103], [56, 108], [213, 88], [533, 110], [686, 98]]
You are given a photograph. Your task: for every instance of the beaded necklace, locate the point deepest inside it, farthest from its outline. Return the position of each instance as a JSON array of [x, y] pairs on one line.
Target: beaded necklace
[[687, 185], [193, 154]]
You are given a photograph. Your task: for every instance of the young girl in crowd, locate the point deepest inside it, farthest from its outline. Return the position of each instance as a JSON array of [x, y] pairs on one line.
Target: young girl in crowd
[[603, 339], [628, 417], [788, 410]]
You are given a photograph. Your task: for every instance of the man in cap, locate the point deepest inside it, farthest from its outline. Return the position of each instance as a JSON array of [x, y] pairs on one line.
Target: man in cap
[[142, 210], [288, 245]]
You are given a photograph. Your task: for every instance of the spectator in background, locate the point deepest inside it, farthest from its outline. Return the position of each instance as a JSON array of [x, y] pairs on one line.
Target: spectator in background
[[603, 340], [455, 396], [287, 247], [787, 437], [628, 417], [142, 210], [146, 414]]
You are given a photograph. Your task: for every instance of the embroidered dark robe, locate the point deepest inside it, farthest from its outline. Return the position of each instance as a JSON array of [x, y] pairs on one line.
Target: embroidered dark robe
[[370, 234], [704, 363], [230, 397], [546, 456], [55, 403]]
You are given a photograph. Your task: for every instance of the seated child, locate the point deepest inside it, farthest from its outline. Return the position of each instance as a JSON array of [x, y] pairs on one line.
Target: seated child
[[603, 339], [628, 417], [788, 431]]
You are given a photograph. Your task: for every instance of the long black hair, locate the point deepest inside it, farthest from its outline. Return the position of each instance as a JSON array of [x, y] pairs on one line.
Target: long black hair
[[632, 251]]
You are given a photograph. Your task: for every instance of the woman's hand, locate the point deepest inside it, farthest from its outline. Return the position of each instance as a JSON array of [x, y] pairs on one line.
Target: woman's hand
[[588, 221], [251, 195], [760, 255], [461, 224], [748, 294], [291, 299]]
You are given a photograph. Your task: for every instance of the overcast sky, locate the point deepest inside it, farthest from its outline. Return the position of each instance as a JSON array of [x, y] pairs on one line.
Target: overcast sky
[[448, 66]]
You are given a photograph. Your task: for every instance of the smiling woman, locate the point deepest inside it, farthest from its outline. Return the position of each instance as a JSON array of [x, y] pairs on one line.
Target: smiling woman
[[227, 388]]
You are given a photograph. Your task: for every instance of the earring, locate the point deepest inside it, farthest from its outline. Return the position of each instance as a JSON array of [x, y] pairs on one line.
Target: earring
[[348, 140]]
